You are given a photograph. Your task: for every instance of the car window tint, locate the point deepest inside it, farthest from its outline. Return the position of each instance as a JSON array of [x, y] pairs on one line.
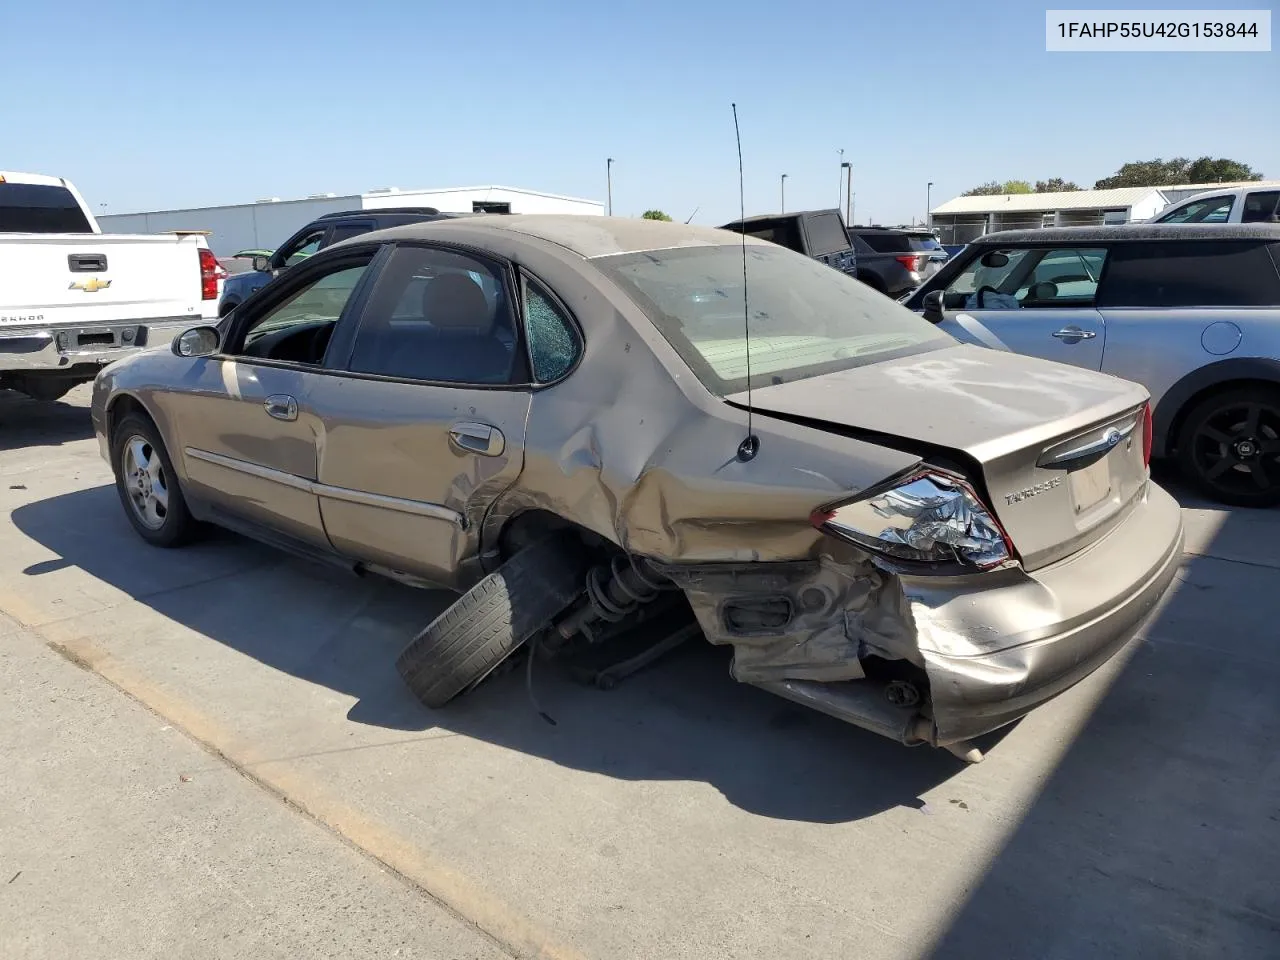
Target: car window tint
[[1202, 273], [318, 304], [978, 274], [304, 248], [1261, 207], [439, 316], [1208, 210], [553, 343], [887, 242], [345, 231], [1066, 278]]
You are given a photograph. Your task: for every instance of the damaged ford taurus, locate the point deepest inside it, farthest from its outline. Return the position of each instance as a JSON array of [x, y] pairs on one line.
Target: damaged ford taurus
[[573, 421]]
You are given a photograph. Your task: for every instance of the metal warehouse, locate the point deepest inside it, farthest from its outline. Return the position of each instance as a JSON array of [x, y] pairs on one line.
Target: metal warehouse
[[269, 222]]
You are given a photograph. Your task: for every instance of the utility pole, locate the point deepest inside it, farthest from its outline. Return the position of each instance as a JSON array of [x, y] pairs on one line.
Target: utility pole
[[848, 193], [783, 185], [608, 173], [928, 205]]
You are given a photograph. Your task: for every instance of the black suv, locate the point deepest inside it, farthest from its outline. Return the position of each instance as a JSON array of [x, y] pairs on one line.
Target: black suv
[[322, 232]]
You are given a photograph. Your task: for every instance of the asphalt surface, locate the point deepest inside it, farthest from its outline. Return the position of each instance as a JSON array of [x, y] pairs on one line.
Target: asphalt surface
[[207, 753]]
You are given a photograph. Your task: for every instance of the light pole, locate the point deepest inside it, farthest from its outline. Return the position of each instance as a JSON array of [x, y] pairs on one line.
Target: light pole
[[783, 185], [848, 192], [608, 173], [928, 205], [840, 180]]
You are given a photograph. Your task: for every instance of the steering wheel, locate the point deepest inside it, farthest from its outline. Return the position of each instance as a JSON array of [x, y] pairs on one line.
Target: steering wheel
[[983, 289]]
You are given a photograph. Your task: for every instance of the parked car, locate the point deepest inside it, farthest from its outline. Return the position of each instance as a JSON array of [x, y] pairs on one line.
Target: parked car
[[320, 233], [1192, 312], [905, 241], [886, 261], [553, 415], [1257, 204], [819, 234], [73, 298]]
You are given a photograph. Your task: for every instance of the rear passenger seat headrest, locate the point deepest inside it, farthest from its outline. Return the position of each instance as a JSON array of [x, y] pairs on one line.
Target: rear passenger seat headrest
[[454, 301]]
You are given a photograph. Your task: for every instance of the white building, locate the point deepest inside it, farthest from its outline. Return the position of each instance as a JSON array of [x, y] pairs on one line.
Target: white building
[[266, 223], [965, 218]]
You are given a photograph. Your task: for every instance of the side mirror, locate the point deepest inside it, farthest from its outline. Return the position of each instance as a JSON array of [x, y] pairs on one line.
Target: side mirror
[[933, 306], [261, 264], [197, 342]]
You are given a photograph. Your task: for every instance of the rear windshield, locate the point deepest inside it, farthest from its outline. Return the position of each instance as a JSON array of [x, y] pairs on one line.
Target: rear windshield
[[40, 208], [805, 318], [887, 242], [923, 243]]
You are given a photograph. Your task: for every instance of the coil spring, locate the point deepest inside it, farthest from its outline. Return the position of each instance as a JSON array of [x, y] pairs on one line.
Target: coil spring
[[613, 591]]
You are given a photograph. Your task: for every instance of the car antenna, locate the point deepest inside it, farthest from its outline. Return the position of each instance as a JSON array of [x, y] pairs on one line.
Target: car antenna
[[692, 215], [750, 444]]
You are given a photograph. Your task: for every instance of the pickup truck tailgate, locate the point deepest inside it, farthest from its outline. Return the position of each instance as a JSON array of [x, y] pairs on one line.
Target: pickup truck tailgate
[[53, 280]]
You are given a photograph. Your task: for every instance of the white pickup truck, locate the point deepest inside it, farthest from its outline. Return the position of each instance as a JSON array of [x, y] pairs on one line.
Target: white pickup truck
[[73, 299]]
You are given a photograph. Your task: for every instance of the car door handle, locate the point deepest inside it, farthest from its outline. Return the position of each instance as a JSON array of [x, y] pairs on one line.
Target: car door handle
[[1074, 333], [481, 438], [281, 406]]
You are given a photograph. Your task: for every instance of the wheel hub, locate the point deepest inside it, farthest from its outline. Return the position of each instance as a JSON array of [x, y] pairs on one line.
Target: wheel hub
[[1246, 449]]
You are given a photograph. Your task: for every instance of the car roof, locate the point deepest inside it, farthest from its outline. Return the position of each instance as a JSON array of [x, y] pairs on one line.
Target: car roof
[[1135, 232], [781, 216], [586, 235]]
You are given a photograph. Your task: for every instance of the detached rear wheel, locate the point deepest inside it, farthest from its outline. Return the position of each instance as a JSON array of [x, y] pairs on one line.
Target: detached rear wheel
[[1229, 446], [493, 619], [147, 484]]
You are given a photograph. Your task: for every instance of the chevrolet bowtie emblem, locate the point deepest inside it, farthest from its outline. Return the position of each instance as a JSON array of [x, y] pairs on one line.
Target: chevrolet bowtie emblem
[[92, 285]]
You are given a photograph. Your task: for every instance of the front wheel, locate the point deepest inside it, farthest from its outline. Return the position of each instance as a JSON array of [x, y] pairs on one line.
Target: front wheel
[[1229, 446], [147, 484]]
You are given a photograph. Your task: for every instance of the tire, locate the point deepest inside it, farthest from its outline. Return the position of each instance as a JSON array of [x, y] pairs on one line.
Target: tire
[[492, 620], [1229, 446], [143, 472]]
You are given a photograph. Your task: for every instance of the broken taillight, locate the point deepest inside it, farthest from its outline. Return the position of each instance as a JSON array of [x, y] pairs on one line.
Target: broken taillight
[[931, 521]]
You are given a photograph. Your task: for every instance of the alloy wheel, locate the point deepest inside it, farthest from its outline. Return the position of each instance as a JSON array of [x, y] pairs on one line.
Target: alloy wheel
[[145, 481], [1236, 449]]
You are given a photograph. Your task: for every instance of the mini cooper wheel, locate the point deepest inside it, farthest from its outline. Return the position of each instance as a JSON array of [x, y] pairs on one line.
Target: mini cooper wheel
[[1229, 446], [148, 485]]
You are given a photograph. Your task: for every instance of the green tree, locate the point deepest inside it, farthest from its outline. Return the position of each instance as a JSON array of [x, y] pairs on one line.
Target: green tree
[[994, 188], [654, 215], [1055, 185], [1221, 170], [1163, 173]]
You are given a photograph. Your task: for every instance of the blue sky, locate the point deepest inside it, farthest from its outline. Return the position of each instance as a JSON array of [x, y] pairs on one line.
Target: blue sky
[[148, 105]]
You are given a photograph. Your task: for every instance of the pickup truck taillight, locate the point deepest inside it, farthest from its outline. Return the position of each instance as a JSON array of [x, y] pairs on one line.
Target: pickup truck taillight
[[910, 261], [209, 274]]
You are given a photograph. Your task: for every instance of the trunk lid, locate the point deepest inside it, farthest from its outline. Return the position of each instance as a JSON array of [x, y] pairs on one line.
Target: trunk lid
[[1060, 448], [54, 280]]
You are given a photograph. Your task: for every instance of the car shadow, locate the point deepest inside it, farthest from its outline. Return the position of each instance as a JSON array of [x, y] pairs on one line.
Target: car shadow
[[684, 718], [1158, 832], [40, 423]]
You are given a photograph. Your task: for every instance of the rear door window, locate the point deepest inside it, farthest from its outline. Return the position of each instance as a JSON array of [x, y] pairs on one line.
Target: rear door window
[[1261, 207], [1200, 273], [40, 208], [887, 242]]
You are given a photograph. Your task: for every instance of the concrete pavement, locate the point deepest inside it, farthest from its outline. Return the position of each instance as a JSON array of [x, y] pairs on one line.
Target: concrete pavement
[[681, 815]]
